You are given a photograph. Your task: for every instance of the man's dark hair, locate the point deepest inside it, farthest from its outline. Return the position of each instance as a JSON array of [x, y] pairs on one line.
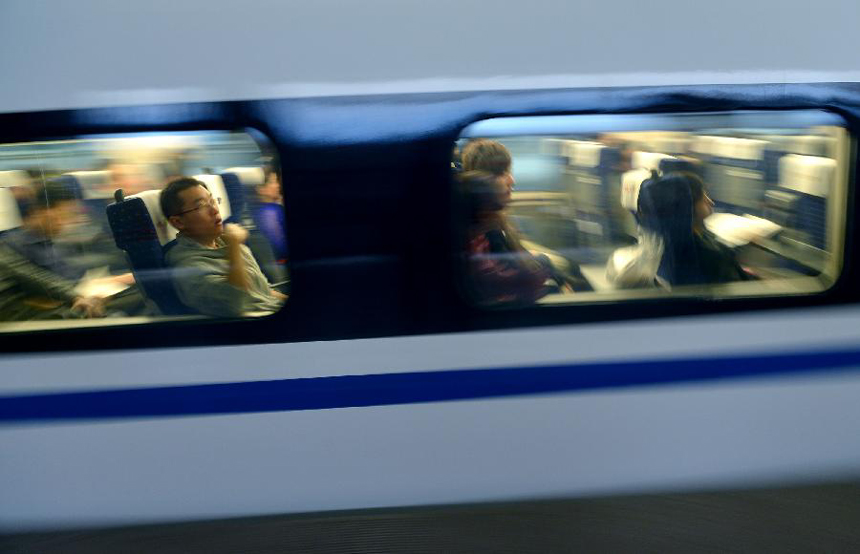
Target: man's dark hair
[[50, 193], [169, 199]]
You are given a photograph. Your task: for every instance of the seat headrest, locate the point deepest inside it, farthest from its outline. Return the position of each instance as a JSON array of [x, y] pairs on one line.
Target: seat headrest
[[738, 148], [216, 187], [703, 144], [10, 214], [670, 144], [584, 153], [811, 175], [14, 178], [165, 231], [93, 184], [647, 160], [249, 176], [631, 182], [809, 145]]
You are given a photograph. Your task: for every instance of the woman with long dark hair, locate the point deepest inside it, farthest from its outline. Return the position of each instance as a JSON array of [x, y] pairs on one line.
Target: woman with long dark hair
[[675, 207]]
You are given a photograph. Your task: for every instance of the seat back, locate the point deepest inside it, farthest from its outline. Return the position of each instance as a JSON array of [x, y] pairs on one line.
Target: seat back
[[141, 231], [736, 175], [805, 183], [594, 188], [10, 214], [240, 184], [92, 184], [14, 178], [631, 181]]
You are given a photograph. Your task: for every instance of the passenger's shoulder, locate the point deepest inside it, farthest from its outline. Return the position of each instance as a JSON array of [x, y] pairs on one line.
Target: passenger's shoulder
[[183, 249]]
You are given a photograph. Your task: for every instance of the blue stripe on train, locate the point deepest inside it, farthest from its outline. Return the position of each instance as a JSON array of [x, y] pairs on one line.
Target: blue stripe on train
[[319, 393]]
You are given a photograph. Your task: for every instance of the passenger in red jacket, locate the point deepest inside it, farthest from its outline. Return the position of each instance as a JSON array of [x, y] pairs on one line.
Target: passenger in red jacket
[[500, 269]]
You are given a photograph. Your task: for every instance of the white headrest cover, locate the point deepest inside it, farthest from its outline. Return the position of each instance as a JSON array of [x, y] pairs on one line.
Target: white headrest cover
[[584, 154], [631, 181], [166, 232], [702, 144], [10, 215], [251, 176], [809, 145], [807, 174], [648, 160], [738, 148], [94, 184], [217, 189], [671, 145], [15, 178]]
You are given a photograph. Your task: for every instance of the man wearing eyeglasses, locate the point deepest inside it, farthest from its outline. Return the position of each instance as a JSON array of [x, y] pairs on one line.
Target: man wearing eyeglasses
[[215, 273]]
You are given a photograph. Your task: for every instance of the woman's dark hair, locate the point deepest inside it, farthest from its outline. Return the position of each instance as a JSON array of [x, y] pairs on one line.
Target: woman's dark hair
[[169, 199], [667, 208], [480, 190]]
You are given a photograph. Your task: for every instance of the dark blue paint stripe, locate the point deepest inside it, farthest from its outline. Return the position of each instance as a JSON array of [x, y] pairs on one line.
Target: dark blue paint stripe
[[320, 393]]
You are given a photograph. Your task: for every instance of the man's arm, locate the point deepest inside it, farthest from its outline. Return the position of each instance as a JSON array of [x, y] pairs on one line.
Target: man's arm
[[235, 236], [37, 280]]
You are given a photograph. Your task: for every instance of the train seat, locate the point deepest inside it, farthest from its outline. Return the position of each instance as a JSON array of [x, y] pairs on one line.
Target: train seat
[[14, 178], [240, 184], [736, 175], [593, 183], [140, 229], [806, 182], [10, 214]]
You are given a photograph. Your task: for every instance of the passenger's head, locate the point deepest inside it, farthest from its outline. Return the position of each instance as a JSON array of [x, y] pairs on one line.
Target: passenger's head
[[188, 205], [676, 201], [490, 156], [485, 193], [49, 208], [270, 189], [675, 207]]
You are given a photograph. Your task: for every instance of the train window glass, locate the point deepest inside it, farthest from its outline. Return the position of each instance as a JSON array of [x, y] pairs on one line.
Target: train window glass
[[134, 228], [561, 209]]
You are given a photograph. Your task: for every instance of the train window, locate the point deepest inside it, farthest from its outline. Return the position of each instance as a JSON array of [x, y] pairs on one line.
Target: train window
[[134, 228], [561, 209]]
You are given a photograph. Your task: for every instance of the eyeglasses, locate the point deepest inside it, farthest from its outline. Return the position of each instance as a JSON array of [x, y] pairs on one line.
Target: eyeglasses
[[211, 203]]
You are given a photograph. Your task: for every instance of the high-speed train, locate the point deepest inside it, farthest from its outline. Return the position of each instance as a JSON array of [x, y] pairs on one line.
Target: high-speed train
[[384, 407]]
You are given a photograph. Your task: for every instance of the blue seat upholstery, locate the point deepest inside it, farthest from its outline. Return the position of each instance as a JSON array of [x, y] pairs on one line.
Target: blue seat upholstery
[[736, 175], [594, 186], [239, 183], [805, 183], [135, 233]]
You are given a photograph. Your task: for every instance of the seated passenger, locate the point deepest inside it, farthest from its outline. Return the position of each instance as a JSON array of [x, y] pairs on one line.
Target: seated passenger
[[35, 282], [215, 273], [268, 214], [676, 206], [500, 270], [492, 157]]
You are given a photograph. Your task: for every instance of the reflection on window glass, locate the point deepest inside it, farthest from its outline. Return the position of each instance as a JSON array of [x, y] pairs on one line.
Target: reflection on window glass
[[134, 228], [580, 208]]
